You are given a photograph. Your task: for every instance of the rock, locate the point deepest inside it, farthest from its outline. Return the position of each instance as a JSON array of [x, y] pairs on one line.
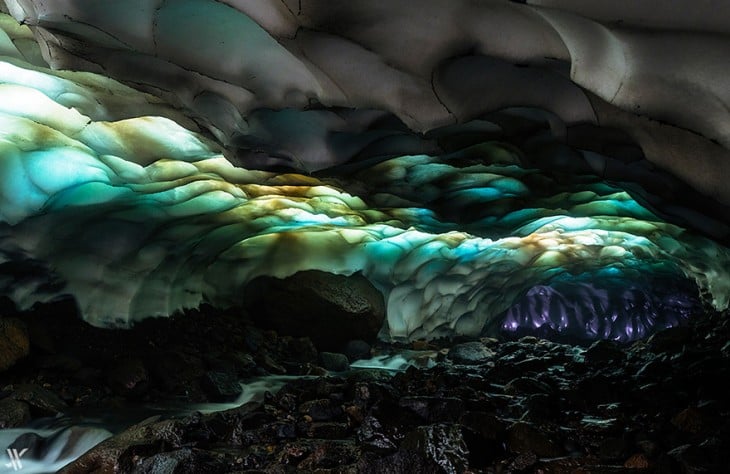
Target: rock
[[690, 458], [13, 413], [612, 449], [443, 444], [243, 361], [401, 462], [541, 406], [603, 352], [470, 353], [330, 309], [434, 409], [648, 447], [302, 349], [325, 453], [525, 385], [320, 410], [176, 373], [637, 461], [526, 438], [270, 365], [42, 402], [372, 436], [671, 339], [334, 361], [14, 342], [221, 386], [59, 362], [122, 452], [356, 350], [486, 425], [327, 430], [181, 461], [690, 420], [523, 462], [128, 377]]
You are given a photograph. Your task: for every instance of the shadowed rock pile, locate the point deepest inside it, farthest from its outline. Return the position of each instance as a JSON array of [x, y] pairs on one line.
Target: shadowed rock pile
[[529, 405]]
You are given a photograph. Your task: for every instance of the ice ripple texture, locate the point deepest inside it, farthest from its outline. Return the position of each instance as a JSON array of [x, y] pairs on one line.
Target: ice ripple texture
[[138, 216]]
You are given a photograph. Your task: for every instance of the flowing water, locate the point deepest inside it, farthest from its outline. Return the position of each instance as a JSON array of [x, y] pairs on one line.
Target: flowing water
[[52, 443]]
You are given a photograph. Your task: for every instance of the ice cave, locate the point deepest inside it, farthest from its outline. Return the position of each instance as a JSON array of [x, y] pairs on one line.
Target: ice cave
[[464, 236]]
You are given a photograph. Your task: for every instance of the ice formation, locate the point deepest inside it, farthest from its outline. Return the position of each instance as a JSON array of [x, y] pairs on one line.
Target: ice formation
[[498, 217]]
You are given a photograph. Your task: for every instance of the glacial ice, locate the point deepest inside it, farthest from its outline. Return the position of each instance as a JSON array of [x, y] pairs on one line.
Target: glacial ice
[[115, 197]]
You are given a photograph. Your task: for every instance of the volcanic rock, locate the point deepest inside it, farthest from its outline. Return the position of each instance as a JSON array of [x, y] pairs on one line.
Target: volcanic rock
[[14, 343], [330, 309]]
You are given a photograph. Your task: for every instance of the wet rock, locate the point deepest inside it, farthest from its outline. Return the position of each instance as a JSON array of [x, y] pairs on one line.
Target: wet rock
[[637, 461], [470, 353], [42, 402], [443, 444], [176, 372], [128, 377], [59, 362], [330, 309], [487, 425], [671, 339], [373, 437], [613, 449], [434, 409], [654, 369], [14, 342], [689, 459], [401, 462], [13, 413], [526, 385], [542, 406], [534, 364], [326, 454], [243, 361], [221, 386], [356, 350], [334, 361], [270, 365], [600, 425], [523, 462], [122, 453], [598, 389], [181, 461], [603, 352], [327, 430], [690, 420], [284, 430], [320, 410], [302, 349], [526, 438]]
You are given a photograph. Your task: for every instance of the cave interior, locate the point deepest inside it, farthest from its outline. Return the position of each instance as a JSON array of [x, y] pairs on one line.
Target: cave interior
[[365, 236]]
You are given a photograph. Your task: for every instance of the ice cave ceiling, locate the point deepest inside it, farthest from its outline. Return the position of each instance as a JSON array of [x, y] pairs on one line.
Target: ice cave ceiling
[[487, 165]]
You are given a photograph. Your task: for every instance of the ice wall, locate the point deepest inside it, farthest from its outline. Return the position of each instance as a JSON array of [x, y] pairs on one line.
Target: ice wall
[[117, 198]]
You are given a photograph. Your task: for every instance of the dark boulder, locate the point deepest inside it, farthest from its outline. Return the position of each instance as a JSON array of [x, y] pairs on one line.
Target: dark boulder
[[128, 377], [334, 361], [330, 309], [13, 413], [470, 353], [14, 343]]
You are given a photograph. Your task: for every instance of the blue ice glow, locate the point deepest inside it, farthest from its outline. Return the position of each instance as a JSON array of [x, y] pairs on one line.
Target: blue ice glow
[[141, 217]]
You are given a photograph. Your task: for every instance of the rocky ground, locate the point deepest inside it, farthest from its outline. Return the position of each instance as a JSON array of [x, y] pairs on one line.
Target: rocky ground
[[530, 405]]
